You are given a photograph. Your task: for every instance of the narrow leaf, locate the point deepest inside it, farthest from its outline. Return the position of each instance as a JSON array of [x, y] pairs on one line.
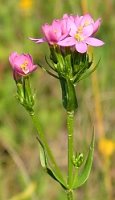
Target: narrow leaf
[[89, 72], [84, 175], [46, 70], [45, 165]]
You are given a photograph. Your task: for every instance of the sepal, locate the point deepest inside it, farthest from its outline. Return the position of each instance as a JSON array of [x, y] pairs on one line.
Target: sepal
[[69, 98], [89, 72], [24, 93]]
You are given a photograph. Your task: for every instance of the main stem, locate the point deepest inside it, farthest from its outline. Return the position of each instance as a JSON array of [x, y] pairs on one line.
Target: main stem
[[70, 124], [70, 195]]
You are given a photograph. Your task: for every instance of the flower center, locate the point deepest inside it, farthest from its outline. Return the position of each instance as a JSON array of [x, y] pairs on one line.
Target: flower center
[[78, 37], [24, 66]]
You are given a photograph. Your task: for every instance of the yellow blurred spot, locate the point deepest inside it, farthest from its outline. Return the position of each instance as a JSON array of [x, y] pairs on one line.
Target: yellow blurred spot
[[106, 147], [26, 193], [25, 4]]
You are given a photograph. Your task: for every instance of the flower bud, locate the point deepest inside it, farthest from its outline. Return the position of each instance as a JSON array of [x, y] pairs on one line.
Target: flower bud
[[78, 160], [22, 64], [24, 94]]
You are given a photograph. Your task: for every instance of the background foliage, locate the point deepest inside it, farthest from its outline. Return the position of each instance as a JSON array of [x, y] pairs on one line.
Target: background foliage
[[21, 176]]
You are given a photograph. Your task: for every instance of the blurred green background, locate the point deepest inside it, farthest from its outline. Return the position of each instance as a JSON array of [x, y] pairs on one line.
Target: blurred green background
[[21, 176]]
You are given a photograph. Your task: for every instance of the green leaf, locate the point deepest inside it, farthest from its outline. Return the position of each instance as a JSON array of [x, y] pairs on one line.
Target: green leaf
[[46, 166], [81, 178], [46, 70], [89, 72]]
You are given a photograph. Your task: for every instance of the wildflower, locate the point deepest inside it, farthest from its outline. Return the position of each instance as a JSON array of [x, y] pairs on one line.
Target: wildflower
[[81, 33], [53, 33], [22, 64], [106, 147], [72, 31]]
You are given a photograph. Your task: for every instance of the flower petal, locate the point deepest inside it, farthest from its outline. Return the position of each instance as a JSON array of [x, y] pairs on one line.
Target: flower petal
[[88, 30], [12, 57], [33, 68], [69, 41], [97, 25], [86, 20], [81, 47], [38, 40], [71, 26], [94, 41]]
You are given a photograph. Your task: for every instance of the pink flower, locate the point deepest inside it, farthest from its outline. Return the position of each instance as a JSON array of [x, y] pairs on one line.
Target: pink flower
[[81, 32], [53, 33], [72, 31], [82, 21], [22, 64]]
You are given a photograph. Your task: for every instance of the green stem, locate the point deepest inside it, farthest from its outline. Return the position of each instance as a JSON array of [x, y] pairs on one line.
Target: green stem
[[70, 121], [70, 195], [37, 124]]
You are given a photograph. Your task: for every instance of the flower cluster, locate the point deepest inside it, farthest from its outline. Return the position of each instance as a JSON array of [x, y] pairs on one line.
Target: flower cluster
[[68, 39], [71, 31]]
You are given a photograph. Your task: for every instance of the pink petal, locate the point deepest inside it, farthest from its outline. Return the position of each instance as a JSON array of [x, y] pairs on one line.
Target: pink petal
[[72, 27], [56, 28], [94, 41], [29, 57], [86, 19], [81, 47], [37, 40], [18, 70], [88, 30], [64, 29], [69, 41], [33, 68], [96, 25], [64, 36], [45, 29], [65, 16], [77, 20], [12, 57]]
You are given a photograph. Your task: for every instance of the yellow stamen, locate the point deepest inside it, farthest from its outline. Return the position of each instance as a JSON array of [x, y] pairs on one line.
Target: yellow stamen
[[78, 37], [24, 66]]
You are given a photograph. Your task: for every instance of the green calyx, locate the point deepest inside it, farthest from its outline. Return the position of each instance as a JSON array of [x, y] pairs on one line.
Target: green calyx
[[24, 93], [68, 63], [69, 67], [69, 98]]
